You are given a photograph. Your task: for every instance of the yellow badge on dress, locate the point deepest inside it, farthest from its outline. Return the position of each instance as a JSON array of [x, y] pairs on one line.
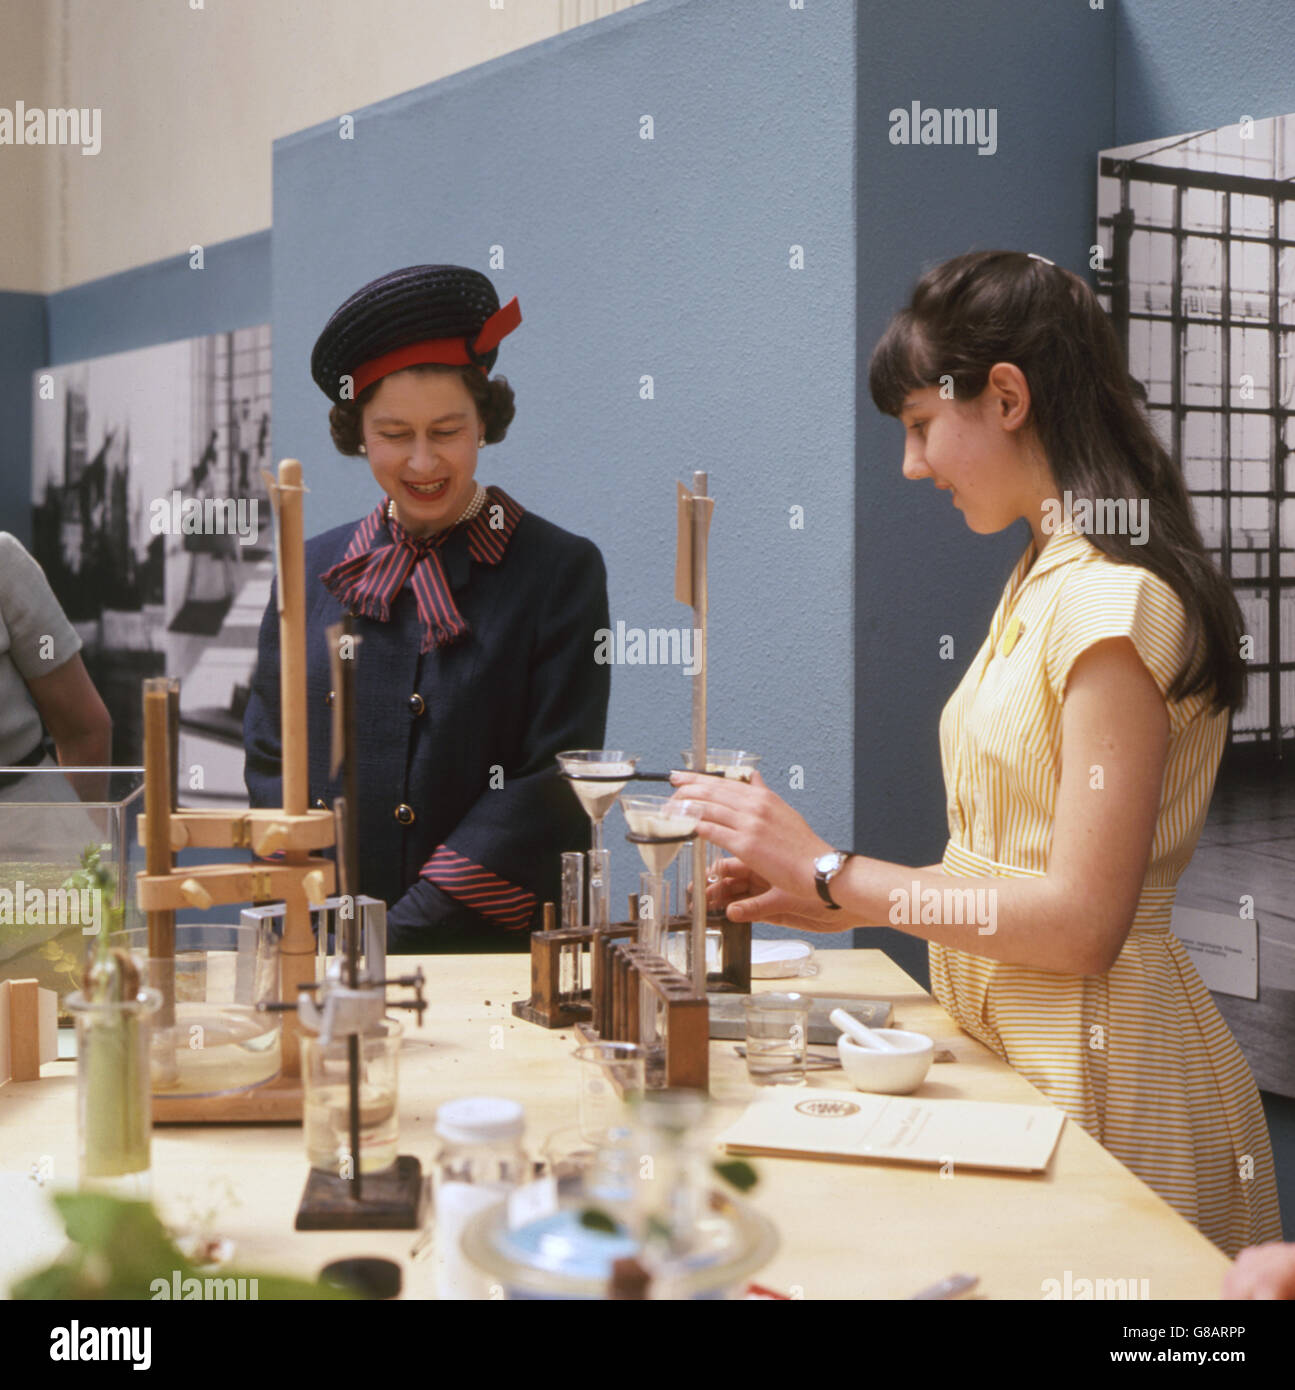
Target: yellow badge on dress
[[1010, 638]]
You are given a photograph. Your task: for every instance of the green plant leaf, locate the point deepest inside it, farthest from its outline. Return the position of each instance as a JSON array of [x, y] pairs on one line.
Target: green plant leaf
[[121, 1248], [738, 1173]]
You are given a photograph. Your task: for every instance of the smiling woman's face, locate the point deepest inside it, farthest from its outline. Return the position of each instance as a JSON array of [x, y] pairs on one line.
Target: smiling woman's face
[[420, 437], [974, 450]]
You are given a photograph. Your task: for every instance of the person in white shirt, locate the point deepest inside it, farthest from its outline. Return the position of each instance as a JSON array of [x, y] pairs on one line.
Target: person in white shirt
[[43, 680]]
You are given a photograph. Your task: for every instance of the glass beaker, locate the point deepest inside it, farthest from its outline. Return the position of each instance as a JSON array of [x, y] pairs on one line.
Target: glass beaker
[[219, 1042], [327, 1113], [777, 1038], [611, 1078]]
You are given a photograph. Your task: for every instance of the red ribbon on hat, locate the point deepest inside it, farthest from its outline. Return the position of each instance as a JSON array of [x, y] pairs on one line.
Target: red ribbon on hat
[[451, 351]]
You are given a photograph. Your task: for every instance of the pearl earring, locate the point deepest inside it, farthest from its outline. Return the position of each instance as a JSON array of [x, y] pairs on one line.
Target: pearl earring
[[481, 443], [363, 449]]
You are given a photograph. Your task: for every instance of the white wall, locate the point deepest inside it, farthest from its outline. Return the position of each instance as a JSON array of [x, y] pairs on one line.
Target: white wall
[[192, 92], [27, 173]]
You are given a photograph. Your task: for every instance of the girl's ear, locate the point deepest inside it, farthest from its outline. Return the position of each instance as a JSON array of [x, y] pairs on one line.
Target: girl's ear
[[1011, 395]]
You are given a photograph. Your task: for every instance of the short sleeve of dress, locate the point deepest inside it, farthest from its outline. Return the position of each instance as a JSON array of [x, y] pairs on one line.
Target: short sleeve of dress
[[40, 637], [1101, 601]]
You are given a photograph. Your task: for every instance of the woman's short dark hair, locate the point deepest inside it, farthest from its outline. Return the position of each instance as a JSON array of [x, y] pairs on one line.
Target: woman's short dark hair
[[493, 398], [1004, 306]]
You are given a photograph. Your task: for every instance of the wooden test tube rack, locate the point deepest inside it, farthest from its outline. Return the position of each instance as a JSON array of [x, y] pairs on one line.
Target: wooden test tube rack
[[619, 969], [683, 1016], [551, 1007], [300, 879]]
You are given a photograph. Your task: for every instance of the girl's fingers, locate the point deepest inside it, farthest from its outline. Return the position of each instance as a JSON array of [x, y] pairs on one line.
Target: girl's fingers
[[724, 836], [714, 791]]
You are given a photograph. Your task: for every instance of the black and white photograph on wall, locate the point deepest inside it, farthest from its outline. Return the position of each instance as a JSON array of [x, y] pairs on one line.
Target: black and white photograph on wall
[[1198, 239], [152, 522]]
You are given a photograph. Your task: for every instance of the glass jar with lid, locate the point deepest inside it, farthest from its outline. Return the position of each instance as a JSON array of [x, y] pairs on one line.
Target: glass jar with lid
[[481, 1160]]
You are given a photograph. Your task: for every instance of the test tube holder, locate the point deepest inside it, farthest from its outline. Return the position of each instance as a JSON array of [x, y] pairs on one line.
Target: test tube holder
[[608, 1010], [299, 879], [637, 975], [550, 1006]]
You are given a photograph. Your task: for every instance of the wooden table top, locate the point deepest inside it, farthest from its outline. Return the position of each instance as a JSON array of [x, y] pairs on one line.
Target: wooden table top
[[848, 1230]]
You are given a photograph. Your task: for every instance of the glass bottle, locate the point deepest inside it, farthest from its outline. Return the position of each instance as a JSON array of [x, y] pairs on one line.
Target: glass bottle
[[481, 1161], [113, 1092]]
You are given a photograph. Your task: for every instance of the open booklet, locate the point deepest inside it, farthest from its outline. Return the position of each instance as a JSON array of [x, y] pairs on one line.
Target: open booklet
[[798, 1122]]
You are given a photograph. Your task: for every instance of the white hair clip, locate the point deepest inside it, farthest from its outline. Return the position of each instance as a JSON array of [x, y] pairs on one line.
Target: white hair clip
[[1034, 256]]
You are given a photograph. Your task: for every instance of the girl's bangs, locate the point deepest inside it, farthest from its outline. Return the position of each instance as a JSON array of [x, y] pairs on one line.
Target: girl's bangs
[[898, 364]]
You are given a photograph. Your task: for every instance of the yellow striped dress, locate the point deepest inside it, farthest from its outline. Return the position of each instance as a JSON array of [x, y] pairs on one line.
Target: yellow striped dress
[[1139, 1056]]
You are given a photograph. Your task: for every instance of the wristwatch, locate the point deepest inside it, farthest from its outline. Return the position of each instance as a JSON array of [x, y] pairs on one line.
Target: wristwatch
[[826, 868]]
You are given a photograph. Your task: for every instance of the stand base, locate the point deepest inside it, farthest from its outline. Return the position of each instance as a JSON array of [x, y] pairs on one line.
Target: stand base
[[391, 1201], [277, 1102], [553, 1015]]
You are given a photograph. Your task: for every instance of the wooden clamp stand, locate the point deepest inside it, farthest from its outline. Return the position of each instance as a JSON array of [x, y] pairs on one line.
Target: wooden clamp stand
[[301, 880], [625, 978]]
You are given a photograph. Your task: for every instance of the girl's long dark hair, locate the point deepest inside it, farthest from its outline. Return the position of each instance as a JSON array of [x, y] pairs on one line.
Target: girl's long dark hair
[[1005, 306]]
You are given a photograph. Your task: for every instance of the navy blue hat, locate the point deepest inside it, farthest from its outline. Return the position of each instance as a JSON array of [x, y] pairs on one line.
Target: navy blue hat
[[423, 313]]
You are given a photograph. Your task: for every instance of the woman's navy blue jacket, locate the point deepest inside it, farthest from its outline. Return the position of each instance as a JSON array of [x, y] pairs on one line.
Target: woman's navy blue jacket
[[434, 730]]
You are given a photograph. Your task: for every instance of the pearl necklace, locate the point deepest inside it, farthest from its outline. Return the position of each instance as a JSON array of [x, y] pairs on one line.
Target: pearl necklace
[[473, 507]]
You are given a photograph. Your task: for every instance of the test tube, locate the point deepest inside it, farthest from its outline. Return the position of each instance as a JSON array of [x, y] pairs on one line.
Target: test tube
[[600, 887], [573, 885], [573, 889], [651, 938], [654, 912]]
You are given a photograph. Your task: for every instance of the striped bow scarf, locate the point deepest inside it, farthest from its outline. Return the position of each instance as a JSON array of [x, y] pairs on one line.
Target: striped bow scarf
[[383, 557]]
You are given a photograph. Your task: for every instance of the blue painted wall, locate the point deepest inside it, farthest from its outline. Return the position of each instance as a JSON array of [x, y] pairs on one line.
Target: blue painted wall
[[667, 257], [163, 301], [1197, 64], [920, 573], [22, 351]]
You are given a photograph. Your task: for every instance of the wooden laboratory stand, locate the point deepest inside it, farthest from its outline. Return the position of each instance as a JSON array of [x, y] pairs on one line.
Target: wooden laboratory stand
[[302, 880]]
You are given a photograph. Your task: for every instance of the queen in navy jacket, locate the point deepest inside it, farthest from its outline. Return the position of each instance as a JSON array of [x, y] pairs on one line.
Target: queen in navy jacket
[[476, 620]]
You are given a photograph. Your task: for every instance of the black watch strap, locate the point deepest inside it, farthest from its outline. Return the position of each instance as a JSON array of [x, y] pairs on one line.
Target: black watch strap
[[822, 883]]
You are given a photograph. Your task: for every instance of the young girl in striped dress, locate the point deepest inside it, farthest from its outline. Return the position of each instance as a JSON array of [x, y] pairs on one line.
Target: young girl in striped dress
[[1079, 751]]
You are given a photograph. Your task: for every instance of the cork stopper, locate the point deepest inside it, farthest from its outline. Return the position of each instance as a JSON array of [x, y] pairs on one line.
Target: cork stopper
[[629, 1281]]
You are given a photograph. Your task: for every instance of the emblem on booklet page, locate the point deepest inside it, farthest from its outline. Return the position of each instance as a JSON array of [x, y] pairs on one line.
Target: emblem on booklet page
[[827, 1109]]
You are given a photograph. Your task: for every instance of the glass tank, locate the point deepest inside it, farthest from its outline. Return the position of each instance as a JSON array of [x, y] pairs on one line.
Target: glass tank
[[55, 823]]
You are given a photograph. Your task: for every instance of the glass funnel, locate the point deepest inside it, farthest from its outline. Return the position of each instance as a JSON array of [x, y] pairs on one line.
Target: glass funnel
[[660, 826], [732, 762], [597, 776]]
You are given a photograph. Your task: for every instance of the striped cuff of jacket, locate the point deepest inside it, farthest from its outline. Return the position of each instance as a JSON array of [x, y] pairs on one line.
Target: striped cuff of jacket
[[479, 889]]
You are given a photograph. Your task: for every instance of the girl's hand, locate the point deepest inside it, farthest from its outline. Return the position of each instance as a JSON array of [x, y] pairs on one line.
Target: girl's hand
[[745, 897], [773, 879], [735, 882]]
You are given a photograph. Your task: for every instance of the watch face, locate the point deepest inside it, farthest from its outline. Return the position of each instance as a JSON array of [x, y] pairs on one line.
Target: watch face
[[829, 863]]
